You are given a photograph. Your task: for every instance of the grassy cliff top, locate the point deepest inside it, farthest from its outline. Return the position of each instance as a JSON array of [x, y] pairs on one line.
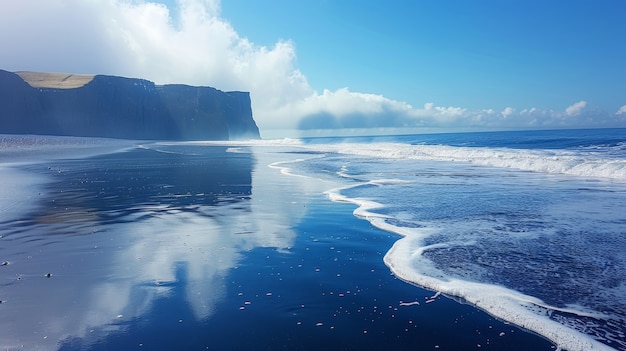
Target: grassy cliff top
[[55, 80]]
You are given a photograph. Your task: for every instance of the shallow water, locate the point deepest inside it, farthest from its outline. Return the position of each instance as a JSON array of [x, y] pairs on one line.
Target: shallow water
[[532, 232]]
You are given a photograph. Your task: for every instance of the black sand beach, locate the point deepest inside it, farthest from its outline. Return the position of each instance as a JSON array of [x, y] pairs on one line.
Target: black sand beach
[[197, 248]]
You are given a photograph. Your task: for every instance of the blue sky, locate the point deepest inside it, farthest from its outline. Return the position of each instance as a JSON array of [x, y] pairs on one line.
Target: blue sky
[[474, 54], [338, 66]]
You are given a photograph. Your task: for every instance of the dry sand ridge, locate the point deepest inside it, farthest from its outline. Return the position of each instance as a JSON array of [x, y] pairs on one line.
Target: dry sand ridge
[[55, 80]]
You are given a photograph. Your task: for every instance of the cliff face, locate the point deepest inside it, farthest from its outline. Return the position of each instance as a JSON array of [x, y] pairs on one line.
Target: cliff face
[[116, 107]]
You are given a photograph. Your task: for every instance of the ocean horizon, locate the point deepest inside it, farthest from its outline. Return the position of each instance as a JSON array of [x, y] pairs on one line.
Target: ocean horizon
[[457, 241]]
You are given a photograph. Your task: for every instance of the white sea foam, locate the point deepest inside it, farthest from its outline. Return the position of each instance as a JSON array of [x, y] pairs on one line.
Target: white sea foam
[[407, 262], [520, 309], [583, 163], [155, 148], [286, 170], [251, 142]]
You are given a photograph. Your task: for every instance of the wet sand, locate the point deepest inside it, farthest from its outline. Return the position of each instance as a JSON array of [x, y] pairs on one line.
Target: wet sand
[[199, 248]]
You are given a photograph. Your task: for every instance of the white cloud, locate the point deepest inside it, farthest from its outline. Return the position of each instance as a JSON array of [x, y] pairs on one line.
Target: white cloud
[[193, 44], [449, 112], [343, 102], [575, 109], [507, 112], [621, 111], [527, 111]]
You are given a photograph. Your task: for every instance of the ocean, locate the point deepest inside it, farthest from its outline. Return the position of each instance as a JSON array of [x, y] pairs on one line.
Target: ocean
[[495, 240]]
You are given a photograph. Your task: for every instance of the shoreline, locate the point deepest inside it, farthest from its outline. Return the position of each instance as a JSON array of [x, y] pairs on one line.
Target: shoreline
[[524, 317], [341, 273], [361, 213], [292, 269]]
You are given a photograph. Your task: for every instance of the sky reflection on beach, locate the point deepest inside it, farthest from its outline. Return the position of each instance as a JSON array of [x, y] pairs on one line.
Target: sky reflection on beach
[[106, 240]]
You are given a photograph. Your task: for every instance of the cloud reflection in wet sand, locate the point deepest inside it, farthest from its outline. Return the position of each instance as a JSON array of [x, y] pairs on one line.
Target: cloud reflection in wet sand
[[118, 232]]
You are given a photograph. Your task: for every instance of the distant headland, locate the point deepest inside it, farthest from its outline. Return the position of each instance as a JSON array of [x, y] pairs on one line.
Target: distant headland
[[116, 107]]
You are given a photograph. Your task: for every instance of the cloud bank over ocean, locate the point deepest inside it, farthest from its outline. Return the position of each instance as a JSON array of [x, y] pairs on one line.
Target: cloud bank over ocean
[[193, 44]]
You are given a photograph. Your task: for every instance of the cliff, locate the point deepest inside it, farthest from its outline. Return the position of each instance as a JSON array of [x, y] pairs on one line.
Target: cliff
[[117, 107]]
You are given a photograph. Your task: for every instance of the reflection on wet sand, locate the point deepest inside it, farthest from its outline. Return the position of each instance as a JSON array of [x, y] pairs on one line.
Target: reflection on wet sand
[[111, 235]]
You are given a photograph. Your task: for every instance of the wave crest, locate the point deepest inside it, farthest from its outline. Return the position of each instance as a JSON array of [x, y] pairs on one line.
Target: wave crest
[[583, 162]]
